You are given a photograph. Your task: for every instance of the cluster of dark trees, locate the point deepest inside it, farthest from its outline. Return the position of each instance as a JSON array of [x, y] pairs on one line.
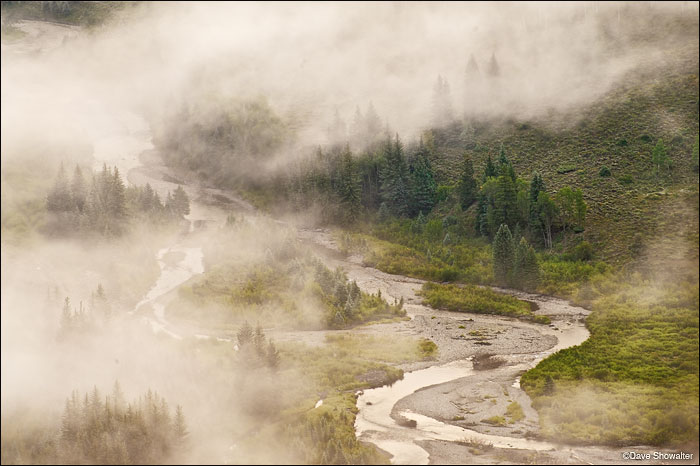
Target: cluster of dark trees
[[106, 205], [255, 349], [344, 301], [383, 179], [110, 431], [524, 207], [514, 262], [80, 320], [394, 182]]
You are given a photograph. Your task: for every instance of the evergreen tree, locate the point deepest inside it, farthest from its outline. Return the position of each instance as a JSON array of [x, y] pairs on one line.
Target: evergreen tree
[[66, 316], [482, 223], [526, 270], [489, 170], [442, 105], [78, 190], [423, 186], [504, 203], [696, 147], [467, 184], [180, 202], [59, 198], [179, 426], [394, 176], [536, 187], [117, 199], [503, 255], [505, 167], [350, 194], [273, 356]]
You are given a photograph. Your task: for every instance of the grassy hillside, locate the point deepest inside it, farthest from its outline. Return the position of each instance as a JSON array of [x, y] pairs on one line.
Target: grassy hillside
[[631, 208]]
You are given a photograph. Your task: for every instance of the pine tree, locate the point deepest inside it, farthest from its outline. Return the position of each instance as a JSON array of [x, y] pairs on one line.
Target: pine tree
[[180, 202], [59, 198], [467, 184], [117, 199], [489, 169], [350, 195], [526, 270], [423, 186], [179, 425], [78, 190], [394, 176], [66, 316], [503, 255], [442, 105], [536, 186], [504, 203], [273, 356]]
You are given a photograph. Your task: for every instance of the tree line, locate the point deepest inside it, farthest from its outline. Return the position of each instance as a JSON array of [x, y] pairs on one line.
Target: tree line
[[390, 180], [96, 430], [105, 205]]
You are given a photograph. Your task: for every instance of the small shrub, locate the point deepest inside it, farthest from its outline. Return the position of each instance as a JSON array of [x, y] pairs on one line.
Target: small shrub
[[626, 179], [604, 171], [498, 421], [566, 168]]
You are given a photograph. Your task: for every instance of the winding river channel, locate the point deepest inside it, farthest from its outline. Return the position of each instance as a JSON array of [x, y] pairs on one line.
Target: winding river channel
[[431, 393]]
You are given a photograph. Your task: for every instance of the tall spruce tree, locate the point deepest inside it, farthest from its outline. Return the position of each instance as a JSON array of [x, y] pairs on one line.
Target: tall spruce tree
[[423, 186], [467, 184], [78, 190], [489, 169], [59, 198], [349, 188], [526, 269], [503, 255], [536, 186], [394, 174]]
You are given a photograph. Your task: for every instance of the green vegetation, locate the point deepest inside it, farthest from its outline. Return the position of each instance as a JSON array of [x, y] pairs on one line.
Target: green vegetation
[[635, 380], [348, 362], [498, 421], [479, 300], [515, 412]]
